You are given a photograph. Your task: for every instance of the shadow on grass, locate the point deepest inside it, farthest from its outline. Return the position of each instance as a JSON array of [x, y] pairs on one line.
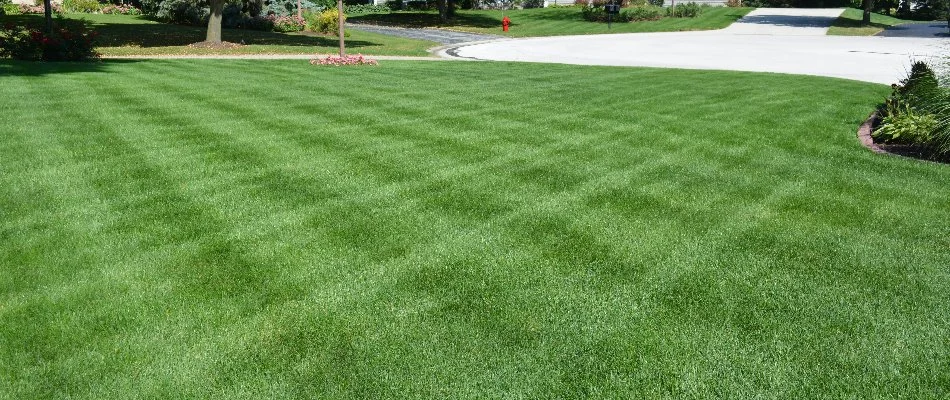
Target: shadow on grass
[[141, 32], [854, 23], [40, 68], [792, 21], [428, 20]]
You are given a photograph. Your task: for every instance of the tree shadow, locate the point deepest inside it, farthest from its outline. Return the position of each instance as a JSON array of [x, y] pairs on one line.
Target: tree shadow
[[420, 19], [917, 29], [142, 32], [41, 68], [791, 20], [856, 23]]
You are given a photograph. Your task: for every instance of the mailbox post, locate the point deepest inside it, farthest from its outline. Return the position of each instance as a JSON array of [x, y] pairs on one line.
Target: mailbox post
[[611, 9]]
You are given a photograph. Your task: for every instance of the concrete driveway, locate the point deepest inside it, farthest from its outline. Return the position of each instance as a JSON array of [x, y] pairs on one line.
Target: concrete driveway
[[767, 40]]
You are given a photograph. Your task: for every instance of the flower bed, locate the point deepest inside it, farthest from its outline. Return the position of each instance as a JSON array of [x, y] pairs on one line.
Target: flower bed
[[344, 60]]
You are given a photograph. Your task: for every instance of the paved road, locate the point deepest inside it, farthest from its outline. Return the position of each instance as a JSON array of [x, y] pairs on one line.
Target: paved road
[[920, 29], [433, 35], [767, 40]]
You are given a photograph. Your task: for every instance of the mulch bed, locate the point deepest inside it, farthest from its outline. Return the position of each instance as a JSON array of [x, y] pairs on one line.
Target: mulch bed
[[215, 45]]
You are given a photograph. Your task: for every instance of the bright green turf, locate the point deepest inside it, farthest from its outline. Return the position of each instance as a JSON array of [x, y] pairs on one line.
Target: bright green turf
[[197, 229], [553, 21], [124, 35], [849, 23]]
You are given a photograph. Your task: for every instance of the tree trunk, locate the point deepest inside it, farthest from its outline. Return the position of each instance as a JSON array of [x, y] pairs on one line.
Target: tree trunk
[[867, 5], [340, 22], [450, 8], [48, 14], [443, 10], [214, 22]]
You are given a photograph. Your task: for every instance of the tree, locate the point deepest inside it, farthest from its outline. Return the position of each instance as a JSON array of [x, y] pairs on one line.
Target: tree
[[867, 5], [446, 9], [214, 22], [340, 22], [48, 14]]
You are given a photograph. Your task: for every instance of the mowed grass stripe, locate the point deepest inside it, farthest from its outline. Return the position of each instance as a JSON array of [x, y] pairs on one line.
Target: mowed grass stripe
[[569, 242]]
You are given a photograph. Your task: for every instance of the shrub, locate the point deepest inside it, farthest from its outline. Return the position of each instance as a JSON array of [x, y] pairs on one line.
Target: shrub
[[920, 86], [419, 5], [291, 23], [646, 13], [365, 9], [285, 7], [656, 3], [325, 22], [918, 113], [258, 24], [38, 9], [10, 9], [685, 10], [183, 12], [81, 6], [121, 9], [733, 3], [67, 42], [639, 13], [394, 4]]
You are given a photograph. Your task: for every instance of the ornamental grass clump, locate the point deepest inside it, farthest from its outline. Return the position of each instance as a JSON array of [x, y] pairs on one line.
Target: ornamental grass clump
[[344, 60]]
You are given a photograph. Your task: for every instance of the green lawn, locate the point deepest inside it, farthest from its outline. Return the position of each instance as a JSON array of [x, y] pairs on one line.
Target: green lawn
[[240, 229], [849, 23], [552, 21], [124, 35]]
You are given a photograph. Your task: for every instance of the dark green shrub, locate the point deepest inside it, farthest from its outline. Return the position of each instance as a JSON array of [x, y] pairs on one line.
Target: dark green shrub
[[183, 12], [419, 5], [645, 13], [657, 3], [685, 10], [930, 10], [920, 87], [286, 7], [69, 41], [365, 9]]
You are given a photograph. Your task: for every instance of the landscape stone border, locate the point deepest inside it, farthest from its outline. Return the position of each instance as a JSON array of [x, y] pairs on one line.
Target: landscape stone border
[[864, 135]]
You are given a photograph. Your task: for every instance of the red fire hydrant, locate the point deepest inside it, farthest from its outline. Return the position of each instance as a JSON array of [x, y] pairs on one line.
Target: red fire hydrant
[[505, 22]]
